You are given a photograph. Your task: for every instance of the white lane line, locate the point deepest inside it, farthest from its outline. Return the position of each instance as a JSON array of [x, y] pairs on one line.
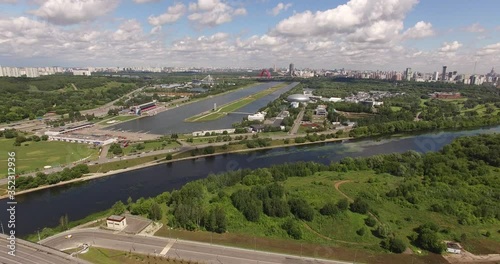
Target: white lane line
[[167, 248]]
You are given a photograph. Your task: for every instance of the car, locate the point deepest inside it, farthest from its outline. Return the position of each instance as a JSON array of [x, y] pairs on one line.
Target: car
[[68, 236]]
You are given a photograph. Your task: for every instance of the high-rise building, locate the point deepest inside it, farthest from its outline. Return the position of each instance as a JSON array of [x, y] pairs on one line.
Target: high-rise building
[[292, 69], [408, 74], [436, 76], [32, 72], [443, 76]]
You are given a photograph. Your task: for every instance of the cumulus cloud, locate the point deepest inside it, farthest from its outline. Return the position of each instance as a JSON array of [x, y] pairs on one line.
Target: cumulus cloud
[[210, 13], [450, 47], [345, 18], [67, 12], [280, 7], [173, 14], [420, 30], [490, 50], [475, 28]]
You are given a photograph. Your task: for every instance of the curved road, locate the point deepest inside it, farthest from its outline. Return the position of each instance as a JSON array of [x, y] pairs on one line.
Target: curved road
[[174, 248], [31, 253]]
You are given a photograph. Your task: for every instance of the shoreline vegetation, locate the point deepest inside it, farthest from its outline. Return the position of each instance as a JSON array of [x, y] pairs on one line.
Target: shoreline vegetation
[[96, 175], [151, 161]]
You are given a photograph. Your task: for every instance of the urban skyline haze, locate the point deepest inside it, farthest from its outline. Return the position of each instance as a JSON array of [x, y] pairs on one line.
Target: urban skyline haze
[[355, 34]]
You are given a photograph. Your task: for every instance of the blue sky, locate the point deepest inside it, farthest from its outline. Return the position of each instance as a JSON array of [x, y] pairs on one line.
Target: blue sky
[[355, 34]]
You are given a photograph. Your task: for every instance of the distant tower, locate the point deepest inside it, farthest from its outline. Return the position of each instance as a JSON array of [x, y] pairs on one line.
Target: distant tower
[[292, 69], [274, 68], [215, 106], [443, 76], [408, 74]]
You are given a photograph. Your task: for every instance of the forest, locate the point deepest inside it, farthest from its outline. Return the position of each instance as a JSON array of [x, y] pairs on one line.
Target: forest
[[61, 94], [395, 201]]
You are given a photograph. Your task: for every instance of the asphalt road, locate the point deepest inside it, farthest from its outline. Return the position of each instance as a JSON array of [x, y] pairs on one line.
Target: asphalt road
[[174, 248], [31, 253]]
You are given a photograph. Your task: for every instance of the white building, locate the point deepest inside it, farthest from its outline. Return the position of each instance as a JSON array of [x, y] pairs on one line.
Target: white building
[[334, 99], [116, 222], [82, 72], [216, 131], [32, 72], [257, 117]]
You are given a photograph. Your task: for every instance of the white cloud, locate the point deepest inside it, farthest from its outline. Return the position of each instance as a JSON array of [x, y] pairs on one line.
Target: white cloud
[[8, 1], [145, 1], [347, 18], [67, 12], [490, 50], [210, 13], [420, 30], [280, 7], [475, 28], [450, 47], [173, 14]]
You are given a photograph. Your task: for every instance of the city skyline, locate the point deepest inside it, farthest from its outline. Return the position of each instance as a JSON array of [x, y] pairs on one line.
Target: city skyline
[[356, 34]]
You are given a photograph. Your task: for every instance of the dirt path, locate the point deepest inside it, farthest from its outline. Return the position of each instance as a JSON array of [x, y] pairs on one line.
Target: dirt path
[[328, 238], [337, 185]]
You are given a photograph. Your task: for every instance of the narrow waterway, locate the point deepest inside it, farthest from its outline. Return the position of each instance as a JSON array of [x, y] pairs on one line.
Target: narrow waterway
[[172, 121], [44, 208]]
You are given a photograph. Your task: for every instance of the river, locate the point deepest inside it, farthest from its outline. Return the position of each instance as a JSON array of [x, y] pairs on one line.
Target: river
[[44, 208], [172, 120]]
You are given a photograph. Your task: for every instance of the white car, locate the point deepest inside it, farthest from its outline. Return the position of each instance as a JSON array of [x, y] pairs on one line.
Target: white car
[[68, 236]]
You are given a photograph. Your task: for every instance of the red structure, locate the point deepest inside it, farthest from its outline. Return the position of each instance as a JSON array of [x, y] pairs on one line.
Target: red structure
[[265, 72]]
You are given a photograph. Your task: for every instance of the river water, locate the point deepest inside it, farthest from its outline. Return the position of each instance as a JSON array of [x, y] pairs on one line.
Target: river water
[[172, 121], [44, 208]]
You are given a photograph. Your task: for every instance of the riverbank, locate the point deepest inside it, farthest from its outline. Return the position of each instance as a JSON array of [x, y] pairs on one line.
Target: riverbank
[[97, 175]]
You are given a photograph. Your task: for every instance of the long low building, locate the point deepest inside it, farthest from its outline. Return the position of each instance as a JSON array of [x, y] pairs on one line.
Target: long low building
[[217, 131], [84, 139], [67, 129]]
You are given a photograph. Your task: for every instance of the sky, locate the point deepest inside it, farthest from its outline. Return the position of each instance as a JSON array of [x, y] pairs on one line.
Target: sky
[[319, 34]]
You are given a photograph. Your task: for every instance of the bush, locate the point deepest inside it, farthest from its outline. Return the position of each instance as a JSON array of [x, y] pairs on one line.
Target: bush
[[168, 157], [360, 206], [394, 245], [370, 221], [361, 231], [292, 228], [343, 204], [301, 209], [329, 209]]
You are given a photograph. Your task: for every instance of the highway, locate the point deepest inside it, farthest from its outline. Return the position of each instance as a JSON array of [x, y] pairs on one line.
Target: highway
[[31, 253], [173, 248]]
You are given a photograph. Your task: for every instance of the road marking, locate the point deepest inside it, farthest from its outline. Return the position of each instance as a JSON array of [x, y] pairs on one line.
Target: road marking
[[167, 248]]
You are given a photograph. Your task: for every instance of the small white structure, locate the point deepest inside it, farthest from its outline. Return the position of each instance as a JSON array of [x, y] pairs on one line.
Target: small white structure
[[116, 222], [453, 248], [334, 99], [294, 104], [257, 117]]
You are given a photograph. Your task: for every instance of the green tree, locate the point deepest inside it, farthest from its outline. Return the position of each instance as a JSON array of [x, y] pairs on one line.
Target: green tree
[[118, 208], [155, 212]]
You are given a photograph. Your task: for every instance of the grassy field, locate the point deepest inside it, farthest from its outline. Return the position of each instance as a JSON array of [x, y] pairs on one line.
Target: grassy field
[[35, 155], [338, 233], [123, 164], [332, 237], [235, 105], [149, 146], [109, 256]]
